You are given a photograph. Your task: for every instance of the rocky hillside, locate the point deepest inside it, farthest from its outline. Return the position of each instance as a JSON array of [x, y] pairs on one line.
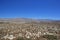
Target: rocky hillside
[[29, 29]]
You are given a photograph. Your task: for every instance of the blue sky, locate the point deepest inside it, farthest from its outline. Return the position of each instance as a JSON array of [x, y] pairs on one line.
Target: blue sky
[[40, 9]]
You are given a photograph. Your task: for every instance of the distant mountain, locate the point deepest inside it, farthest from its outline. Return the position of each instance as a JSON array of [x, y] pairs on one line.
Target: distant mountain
[[27, 20]]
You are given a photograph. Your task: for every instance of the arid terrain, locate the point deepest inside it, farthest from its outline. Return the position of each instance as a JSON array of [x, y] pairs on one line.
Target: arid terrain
[[29, 29]]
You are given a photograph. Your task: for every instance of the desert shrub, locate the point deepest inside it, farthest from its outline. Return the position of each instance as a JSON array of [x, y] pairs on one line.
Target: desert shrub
[[28, 39], [1, 22], [4, 22], [50, 37], [20, 38]]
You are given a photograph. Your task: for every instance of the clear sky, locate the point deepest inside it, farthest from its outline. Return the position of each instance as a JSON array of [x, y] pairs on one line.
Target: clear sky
[[41, 9]]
